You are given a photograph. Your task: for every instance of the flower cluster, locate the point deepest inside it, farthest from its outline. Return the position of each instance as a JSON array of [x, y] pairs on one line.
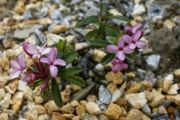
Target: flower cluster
[[45, 64], [126, 45]]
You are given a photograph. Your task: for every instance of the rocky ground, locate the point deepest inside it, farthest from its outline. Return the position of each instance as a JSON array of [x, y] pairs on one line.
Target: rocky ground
[[149, 90]]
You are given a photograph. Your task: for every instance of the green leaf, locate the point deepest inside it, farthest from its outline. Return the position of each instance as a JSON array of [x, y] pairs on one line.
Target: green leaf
[[111, 31], [70, 56], [98, 43], [70, 71], [103, 8], [76, 80], [56, 93], [108, 58], [92, 34], [121, 18], [88, 20], [61, 45]]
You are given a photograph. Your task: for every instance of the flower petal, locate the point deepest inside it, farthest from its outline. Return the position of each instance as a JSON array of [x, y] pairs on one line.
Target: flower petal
[[126, 38], [21, 61], [53, 70], [124, 65], [112, 48], [15, 65], [14, 74], [127, 49], [45, 60], [120, 55], [45, 51], [59, 62], [121, 43], [132, 46], [116, 68], [137, 35], [52, 54], [31, 49], [136, 28], [141, 44]]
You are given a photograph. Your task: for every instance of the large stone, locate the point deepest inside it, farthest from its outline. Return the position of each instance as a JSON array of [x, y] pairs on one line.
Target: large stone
[[153, 61], [4, 116], [80, 109], [158, 98], [92, 108], [174, 98], [135, 114], [137, 100], [28, 93], [50, 106], [32, 115], [173, 89], [114, 111], [116, 78], [135, 88], [68, 109], [17, 100], [6, 101], [98, 55], [57, 116], [104, 95], [59, 29]]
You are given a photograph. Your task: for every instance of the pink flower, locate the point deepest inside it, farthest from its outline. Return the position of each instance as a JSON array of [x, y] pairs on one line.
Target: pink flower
[[17, 66], [136, 42], [35, 51], [121, 48], [53, 62], [132, 30], [118, 65]]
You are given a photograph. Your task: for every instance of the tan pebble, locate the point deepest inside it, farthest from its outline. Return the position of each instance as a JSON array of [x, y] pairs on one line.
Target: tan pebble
[[112, 87], [59, 29], [149, 95], [135, 88], [167, 84], [91, 98], [74, 103], [5, 103], [40, 109], [177, 73], [4, 116], [20, 6], [44, 117], [114, 112], [32, 115], [92, 108], [57, 116], [174, 98], [147, 85], [116, 78], [38, 99], [158, 98], [76, 118], [66, 94], [67, 108], [50, 106], [98, 55], [135, 114], [80, 109], [13, 85], [28, 93], [122, 102], [2, 93], [17, 100], [68, 116]]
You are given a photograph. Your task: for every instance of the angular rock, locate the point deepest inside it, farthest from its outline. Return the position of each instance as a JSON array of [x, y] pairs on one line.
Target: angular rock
[[135, 88], [104, 95], [80, 46], [173, 89], [50, 106], [59, 29], [137, 100], [80, 110], [57, 116], [92, 108], [158, 98], [177, 73], [6, 101], [174, 98], [114, 111], [153, 61], [4, 116], [67, 108], [135, 114], [17, 100], [116, 78], [28, 93]]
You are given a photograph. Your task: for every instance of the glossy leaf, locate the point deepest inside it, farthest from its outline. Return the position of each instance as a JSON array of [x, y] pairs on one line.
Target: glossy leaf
[[98, 43], [92, 34], [121, 18], [56, 93], [70, 71], [111, 31], [76, 80], [108, 58], [70, 56], [88, 20]]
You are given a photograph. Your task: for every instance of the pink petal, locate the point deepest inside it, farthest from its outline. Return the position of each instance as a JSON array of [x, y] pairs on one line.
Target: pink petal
[[137, 27], [124, 65], [59, 62], [132, 46], [127, 49], [126, 38], [31, 49], [45, 51], [112, 48], [15, 65], [141, 44], [120, 55], [53, 70], [21, 60], [45, 60], [127, 28], [14, 74], [52, 54], [116, 68], [137, 36], [120, 43]]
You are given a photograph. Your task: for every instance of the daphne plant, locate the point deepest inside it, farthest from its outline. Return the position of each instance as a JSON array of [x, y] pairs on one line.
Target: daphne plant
[[49, 63], [120, 44]]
